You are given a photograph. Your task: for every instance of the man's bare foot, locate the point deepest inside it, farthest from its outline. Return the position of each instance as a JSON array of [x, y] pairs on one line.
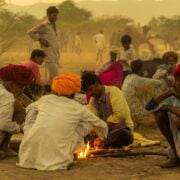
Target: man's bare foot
[[170, 163]]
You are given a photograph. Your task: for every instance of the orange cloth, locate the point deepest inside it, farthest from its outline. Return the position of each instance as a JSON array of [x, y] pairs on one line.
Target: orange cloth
[[66, 84]]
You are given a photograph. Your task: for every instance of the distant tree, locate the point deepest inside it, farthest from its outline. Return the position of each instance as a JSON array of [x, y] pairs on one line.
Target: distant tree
[[69, 12], [2, 3], [12, 25], [167, 27]]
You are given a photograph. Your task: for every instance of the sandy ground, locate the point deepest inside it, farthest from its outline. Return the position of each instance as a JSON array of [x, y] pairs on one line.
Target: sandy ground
[[129, 168]]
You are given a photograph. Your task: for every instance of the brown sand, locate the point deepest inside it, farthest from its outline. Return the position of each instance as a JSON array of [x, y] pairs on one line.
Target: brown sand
[[129, 168]]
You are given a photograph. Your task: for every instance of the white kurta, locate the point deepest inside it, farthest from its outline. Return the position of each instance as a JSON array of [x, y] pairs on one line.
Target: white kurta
[[128, 56], [52, 136], [7, 101], [138, 91], [46, 31], [100, 42]]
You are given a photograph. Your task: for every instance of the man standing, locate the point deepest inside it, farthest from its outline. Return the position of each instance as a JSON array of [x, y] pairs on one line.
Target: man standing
[[100, 47], [127, 54], [46, 34], [77, 43]]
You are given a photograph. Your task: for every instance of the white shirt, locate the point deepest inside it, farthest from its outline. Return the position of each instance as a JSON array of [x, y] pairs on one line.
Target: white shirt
[[77, 41], [46, 31], [128, 56], [7, 101], [52, 136], [100, 41], [138, 91]]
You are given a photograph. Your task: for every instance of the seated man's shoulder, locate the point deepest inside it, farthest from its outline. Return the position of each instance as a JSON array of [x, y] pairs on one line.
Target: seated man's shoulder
[[113, 90]]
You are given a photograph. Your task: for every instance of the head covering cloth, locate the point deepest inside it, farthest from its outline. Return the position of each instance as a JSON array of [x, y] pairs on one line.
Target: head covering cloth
[[17, 73], [66, 84]]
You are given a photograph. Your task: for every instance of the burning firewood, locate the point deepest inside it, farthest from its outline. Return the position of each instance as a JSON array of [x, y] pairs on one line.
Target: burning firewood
[[127, 154]]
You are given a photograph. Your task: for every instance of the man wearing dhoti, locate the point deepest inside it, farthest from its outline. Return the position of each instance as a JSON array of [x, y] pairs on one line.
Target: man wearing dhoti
[[55, 127]]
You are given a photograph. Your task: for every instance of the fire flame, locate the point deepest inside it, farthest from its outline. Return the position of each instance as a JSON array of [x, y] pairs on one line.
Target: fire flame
[[83, 153]]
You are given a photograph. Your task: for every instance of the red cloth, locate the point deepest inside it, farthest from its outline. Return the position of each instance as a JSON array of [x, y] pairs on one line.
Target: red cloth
[[18, 73], [113, 75], [177, 71]]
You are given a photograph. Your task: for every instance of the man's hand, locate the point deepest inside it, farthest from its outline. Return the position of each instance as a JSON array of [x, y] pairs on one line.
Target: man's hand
[[165, 108], [44, 42], [173, 92], [172, 109]]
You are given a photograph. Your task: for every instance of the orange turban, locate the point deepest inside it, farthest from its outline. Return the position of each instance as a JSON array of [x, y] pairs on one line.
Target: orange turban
[[66, 84]]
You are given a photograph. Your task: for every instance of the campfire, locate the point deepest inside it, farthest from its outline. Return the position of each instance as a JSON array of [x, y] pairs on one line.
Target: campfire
[[94, 149], [94, 152], [83, 153]]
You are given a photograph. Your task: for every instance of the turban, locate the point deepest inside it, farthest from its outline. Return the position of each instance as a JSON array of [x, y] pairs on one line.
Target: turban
[[177, 71], [66, 84], [17, 73]]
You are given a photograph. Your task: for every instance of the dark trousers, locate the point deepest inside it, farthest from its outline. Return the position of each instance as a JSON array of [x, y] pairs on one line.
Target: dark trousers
[[118, 138]]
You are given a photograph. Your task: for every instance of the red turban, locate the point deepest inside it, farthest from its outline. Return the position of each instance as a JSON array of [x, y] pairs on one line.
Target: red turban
[[177, 71], [66, 84], [17, 73]]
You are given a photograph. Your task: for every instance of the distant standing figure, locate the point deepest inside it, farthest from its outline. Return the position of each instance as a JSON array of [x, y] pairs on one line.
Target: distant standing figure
[[100, 47], [77, 43], [127, 54], [46, 34]]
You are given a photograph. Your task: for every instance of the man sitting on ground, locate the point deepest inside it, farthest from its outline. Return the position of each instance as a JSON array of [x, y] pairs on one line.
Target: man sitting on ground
[[138, 90], [38, 87], [56, 125], [13, 78], [165, 71], [109, 104], [167, 115], [37, 58], [113, 58]]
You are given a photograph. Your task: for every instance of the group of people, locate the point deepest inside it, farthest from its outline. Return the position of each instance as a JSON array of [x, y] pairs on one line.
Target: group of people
[[55, 126]]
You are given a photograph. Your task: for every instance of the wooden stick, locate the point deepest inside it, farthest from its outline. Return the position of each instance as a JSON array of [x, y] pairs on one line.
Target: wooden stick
[[126, 154], [105, 151]]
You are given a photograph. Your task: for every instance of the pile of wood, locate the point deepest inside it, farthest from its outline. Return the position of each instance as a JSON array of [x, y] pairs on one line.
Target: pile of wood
[[122, 153]]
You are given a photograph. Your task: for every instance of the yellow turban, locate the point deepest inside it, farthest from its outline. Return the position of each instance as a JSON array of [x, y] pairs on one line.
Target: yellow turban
[[66, 84]]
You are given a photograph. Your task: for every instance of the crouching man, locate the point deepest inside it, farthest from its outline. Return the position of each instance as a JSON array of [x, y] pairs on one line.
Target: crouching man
[[167, 114], [13, 78], [56, 125], [109, 104]]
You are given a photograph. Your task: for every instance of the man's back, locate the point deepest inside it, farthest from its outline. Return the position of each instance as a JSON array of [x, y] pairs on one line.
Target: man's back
[[58, 113]]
